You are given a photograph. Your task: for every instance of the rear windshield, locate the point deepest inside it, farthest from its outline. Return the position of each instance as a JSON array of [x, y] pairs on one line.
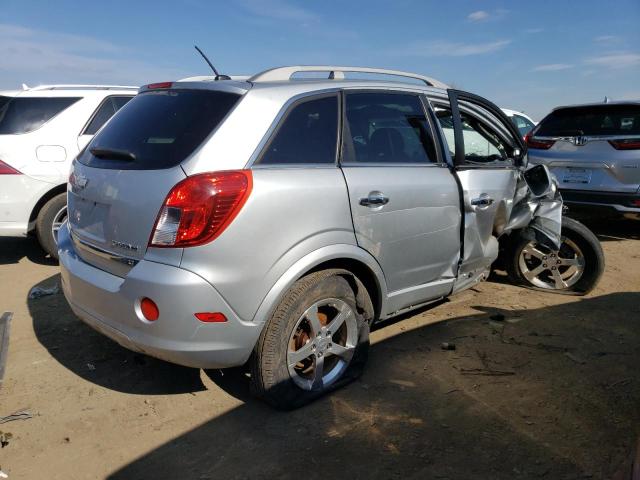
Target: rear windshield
[[158, 129], [592, 120], [26, 114], [3, 101]]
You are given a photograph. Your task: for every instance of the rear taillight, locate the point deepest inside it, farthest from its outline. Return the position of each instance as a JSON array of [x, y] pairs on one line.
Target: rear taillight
[[626, 144], [533, 142], [7, 169], [199, 208]]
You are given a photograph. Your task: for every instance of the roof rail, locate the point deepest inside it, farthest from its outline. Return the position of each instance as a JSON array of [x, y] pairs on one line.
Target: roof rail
[[83, 87], [337, 73]]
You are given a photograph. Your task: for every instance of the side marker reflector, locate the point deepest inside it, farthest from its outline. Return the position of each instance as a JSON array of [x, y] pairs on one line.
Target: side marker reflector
[[211, 317]]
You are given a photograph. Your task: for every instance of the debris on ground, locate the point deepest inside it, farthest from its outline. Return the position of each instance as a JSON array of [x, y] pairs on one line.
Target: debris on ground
[[4, 438], [5, 323], [575, 358], [91, 366], [3, 475], [19, 415], [624, 381], [486, 369], [448, 346], [37, 292]]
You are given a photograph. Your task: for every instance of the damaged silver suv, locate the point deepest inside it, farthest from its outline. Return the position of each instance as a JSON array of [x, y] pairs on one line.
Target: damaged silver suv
[[272, 220]]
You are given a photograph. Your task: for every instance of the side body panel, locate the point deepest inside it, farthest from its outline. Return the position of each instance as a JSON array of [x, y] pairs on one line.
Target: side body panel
[[290, 213]]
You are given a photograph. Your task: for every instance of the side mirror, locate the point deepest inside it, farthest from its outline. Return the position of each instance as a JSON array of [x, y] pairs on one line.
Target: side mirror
[[539, 181]]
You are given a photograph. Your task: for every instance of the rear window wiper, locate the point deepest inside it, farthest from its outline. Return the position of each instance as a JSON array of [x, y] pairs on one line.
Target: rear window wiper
[[112, 154]]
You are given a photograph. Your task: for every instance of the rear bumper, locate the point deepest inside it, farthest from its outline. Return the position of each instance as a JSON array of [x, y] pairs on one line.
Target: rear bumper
[[621, 202], [110, 304]]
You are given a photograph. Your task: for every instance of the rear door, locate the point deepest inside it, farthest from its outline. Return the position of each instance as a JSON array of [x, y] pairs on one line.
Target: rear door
[[404, 200], [487, 153], [103, 113]]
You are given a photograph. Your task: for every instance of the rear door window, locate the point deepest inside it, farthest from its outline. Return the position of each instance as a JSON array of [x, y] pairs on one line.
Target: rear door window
[[158, 129], [307, 135], [26, 114], [388, 128], [482, 144], [591, 120], [105, 111]]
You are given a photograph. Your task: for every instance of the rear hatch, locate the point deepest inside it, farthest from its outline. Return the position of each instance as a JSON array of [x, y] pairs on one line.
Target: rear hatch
[[594, 147], [120, 180]]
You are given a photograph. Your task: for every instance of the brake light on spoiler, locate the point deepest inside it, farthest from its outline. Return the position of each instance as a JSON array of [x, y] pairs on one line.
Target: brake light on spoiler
[[199, 208], [155, 86]]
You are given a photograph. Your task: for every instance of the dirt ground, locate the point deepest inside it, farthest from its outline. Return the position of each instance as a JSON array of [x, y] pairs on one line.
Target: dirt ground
[[539, 386]]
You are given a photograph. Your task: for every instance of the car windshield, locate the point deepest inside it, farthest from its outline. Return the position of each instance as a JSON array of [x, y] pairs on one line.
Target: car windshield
[[592, 120], [26, 114], [158, 129]]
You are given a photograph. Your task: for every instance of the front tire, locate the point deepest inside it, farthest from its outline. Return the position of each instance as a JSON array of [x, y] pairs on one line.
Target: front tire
[[316, 341], [574, 269], [49, 221]]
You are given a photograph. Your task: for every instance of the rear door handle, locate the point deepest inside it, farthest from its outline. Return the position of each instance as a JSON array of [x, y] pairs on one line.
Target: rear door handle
[[483, 201], [375, 199]]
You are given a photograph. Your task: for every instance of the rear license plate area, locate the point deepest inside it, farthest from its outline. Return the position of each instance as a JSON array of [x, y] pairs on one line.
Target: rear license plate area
[[576, 175]]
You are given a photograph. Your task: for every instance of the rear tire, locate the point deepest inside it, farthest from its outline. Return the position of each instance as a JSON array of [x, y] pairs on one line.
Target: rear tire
[[298, 358], [574, 269], [50, 217]]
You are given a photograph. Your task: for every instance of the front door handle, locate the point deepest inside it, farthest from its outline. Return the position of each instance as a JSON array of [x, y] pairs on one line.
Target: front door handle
[[483, 201], [375, 199]]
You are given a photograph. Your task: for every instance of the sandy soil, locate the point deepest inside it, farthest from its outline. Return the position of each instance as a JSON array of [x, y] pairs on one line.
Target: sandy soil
[[539, 386]]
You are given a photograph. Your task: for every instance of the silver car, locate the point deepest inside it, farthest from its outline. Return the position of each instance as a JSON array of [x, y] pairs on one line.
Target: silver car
[[594, 151], [273, 220]]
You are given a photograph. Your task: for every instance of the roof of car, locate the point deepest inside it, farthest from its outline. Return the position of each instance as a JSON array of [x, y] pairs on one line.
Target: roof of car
[[66, 90], [283, 78], [600, 104]]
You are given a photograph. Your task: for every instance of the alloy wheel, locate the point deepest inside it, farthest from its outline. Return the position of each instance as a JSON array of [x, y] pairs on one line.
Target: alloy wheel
[[544, 267], [58, 220], [322, 344]]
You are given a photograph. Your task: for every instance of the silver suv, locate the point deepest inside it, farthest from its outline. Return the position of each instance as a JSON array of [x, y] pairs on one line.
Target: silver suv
[[594, 151], [273, 219]]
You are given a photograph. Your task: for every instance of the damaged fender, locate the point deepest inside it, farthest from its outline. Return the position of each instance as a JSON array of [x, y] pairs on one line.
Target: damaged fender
[[537, 209]]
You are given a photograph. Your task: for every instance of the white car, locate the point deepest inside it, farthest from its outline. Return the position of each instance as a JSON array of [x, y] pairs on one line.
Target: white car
[[523, 122], [42, 129]]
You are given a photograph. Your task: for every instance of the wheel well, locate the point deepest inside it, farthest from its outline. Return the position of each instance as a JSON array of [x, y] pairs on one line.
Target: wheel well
[[362, 273], [45, 198]]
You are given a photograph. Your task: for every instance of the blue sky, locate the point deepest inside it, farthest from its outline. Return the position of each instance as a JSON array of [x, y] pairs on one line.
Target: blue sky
[[527, 55]]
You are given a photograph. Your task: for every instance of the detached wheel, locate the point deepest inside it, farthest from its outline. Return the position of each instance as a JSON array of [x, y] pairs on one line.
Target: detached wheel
[[575, 268], [51, 217], [315, 342]]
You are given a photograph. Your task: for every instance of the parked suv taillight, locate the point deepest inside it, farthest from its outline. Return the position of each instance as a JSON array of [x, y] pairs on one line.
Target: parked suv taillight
[[626, 144], [7, 169], [199, 208], [533, 142]]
